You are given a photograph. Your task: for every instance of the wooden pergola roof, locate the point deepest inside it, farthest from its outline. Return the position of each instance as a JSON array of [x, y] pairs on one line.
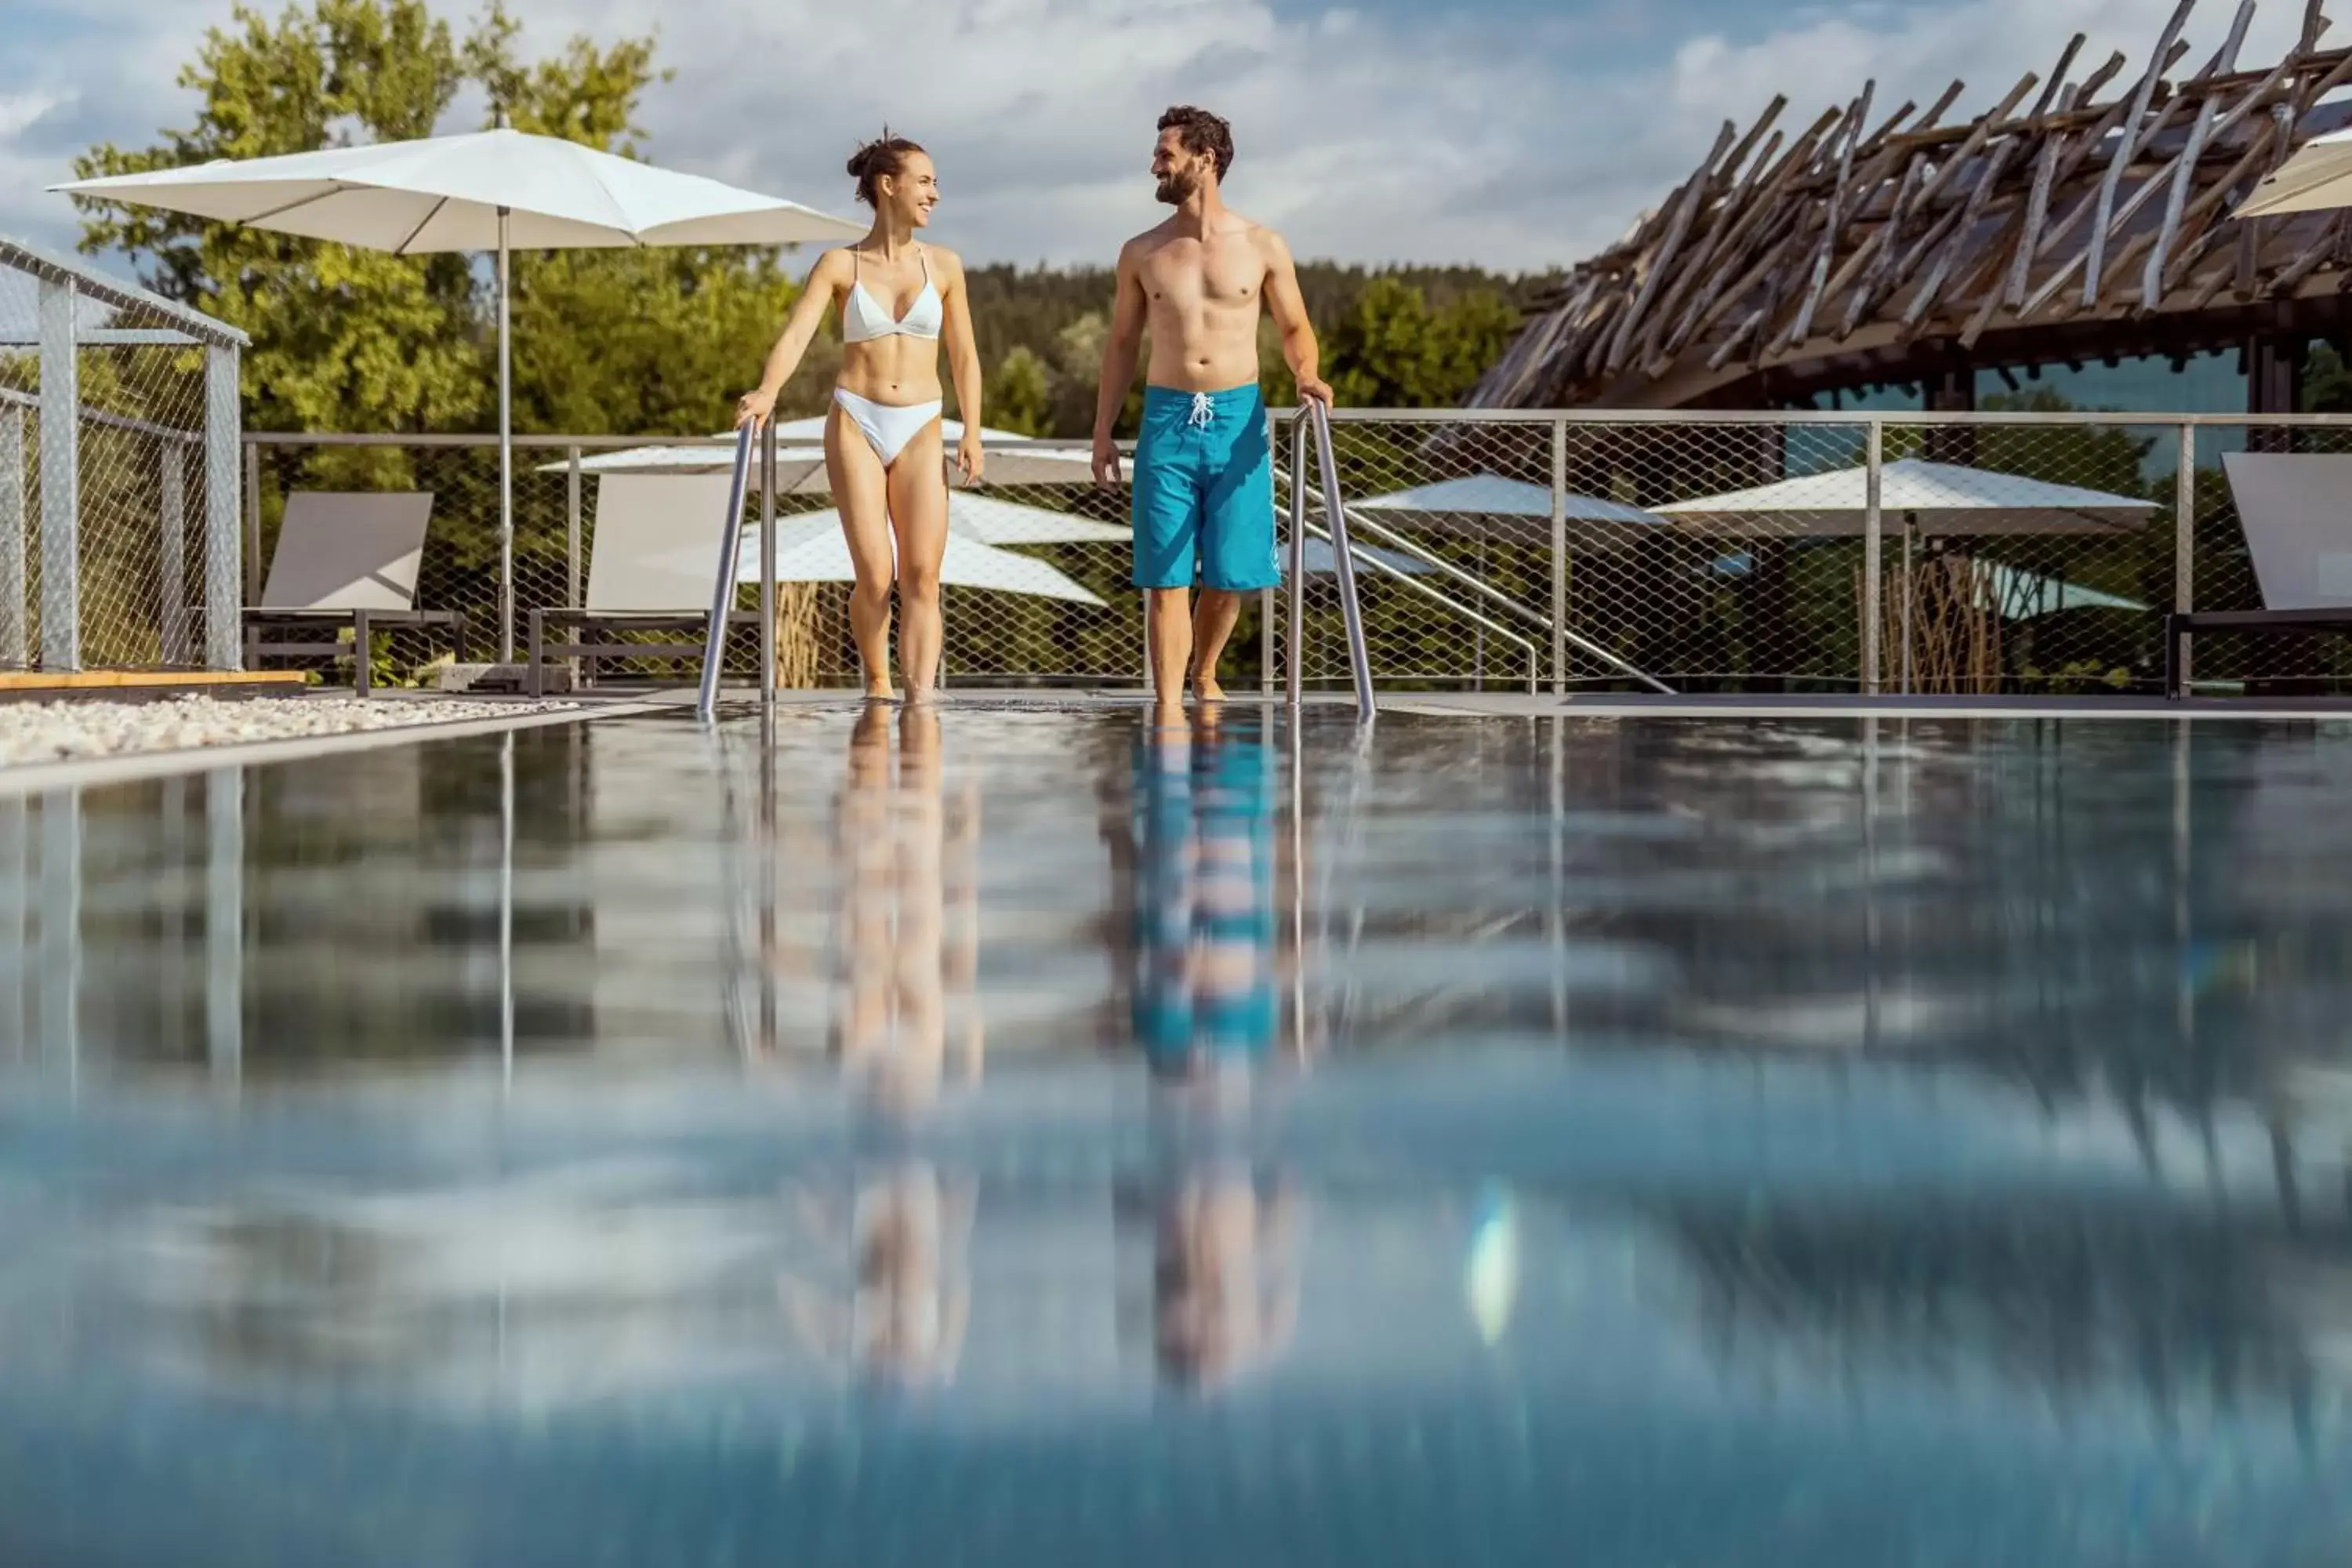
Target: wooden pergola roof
[[2079, 217]]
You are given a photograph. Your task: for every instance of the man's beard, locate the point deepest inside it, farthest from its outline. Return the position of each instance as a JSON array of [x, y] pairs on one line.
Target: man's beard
[[1174, 191]]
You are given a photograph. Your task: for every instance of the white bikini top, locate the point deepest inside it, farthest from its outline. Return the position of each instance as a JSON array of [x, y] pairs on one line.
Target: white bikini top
[[863, 319]]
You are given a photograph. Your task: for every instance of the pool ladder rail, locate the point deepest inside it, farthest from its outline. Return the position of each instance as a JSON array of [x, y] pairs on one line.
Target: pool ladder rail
[[1314, 428]]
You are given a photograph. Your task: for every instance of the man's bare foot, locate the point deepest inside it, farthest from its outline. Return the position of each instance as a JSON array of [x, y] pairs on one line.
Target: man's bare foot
[[1205, 688], [880, 694], [921, 696]]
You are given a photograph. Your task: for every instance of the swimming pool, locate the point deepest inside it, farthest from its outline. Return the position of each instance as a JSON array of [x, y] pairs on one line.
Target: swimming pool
[[1010, 1135]]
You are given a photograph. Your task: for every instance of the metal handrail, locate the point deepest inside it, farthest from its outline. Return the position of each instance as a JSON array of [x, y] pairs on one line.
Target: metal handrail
[[722, 593], [1456, 605], [1489, 591], [1317, 421]]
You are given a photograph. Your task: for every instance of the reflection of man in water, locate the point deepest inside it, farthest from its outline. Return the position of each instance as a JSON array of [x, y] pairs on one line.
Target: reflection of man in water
[[909, 939], [1204, 993], [1224, 1292]]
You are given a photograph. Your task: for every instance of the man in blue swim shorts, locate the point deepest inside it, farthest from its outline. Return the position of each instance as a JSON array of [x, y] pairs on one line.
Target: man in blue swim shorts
[[1203, 473]]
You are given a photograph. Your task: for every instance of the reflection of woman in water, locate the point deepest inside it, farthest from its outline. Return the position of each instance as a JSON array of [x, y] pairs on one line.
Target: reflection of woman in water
[[903, 956], [907, 945], [1205, 1012], [909, 1298]]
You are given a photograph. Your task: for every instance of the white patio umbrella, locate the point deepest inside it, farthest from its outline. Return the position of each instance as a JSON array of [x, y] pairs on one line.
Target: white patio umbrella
[[800, 458], [1506, 508], [810, 549], [2317, 177], [491, 190], [1929, 499]]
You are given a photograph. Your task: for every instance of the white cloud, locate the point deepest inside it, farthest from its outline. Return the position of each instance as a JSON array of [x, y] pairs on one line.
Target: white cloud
[[1366, 134]]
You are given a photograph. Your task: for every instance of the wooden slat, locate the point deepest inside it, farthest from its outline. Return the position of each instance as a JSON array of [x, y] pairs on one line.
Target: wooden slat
[[1891, 270], [2094, 259], [2184, 167], [120, 680], [2057, 82], [1970, 215], [1833, 225]]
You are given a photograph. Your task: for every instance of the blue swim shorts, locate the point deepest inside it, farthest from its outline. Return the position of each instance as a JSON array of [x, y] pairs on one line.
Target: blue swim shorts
[[1204, 491]]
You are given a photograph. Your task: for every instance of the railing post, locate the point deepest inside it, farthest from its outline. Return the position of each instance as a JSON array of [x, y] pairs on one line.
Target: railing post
[[14, 631], [253, 522], [571, 526], [171, 540], [1295, 628], [767, 573], [1873, 582], [2184, 547], [1560, 557], [61, 480], [225, 593]]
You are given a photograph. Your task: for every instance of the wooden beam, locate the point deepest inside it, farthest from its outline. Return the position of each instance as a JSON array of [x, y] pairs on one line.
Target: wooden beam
[[2184, 167], [1730, 345], [1765, 208], [1738, 209], [2125, 146], [1889, 273], [1831, 226], [2057, 81], [1969, 215], [2088, 98]]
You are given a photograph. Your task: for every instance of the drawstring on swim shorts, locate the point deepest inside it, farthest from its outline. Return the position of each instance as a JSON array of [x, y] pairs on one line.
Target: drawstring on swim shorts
[[1204, 411]]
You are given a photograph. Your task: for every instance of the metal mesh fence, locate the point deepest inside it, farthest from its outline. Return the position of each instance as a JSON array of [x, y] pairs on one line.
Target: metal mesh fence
[[118, 441], [1996, 553]]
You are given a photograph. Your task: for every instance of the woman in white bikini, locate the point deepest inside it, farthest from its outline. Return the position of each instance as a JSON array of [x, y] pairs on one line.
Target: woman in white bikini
[[882, 443]]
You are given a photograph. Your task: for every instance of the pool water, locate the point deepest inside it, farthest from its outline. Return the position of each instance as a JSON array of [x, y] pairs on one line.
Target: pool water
[[1007, 1134]]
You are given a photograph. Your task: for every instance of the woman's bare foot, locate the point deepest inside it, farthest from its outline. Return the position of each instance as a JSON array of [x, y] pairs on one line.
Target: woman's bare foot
[[880, 694], [1205, 688]]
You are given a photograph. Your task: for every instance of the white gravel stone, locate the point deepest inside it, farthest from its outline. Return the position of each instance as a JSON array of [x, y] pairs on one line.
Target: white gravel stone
[[53, 731]]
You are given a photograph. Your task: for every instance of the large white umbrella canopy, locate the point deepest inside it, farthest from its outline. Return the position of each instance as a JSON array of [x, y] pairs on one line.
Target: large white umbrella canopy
[[486, 189], [810, 549], [989, 520], [1504, 508], [1934, 498], [1013, 459], [2316, 178]]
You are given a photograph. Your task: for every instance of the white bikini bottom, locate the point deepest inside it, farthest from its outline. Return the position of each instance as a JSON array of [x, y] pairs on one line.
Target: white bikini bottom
[[888, 426]]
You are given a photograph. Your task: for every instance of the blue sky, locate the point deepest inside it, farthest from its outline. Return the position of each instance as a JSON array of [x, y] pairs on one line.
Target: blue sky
[[1515, 133]]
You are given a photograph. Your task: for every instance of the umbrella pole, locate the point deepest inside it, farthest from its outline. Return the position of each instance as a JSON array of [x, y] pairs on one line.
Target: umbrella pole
[[506, 461]]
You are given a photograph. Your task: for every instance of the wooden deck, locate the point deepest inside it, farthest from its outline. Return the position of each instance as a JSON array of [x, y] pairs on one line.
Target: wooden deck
[[130, 685]]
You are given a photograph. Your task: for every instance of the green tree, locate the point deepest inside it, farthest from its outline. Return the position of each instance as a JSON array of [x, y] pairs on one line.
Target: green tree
[[1390, 349], [345, 338], [1021, 393], [342, 339]]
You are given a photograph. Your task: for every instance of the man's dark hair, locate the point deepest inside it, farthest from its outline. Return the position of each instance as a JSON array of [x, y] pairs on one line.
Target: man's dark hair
[[1202, 133]]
